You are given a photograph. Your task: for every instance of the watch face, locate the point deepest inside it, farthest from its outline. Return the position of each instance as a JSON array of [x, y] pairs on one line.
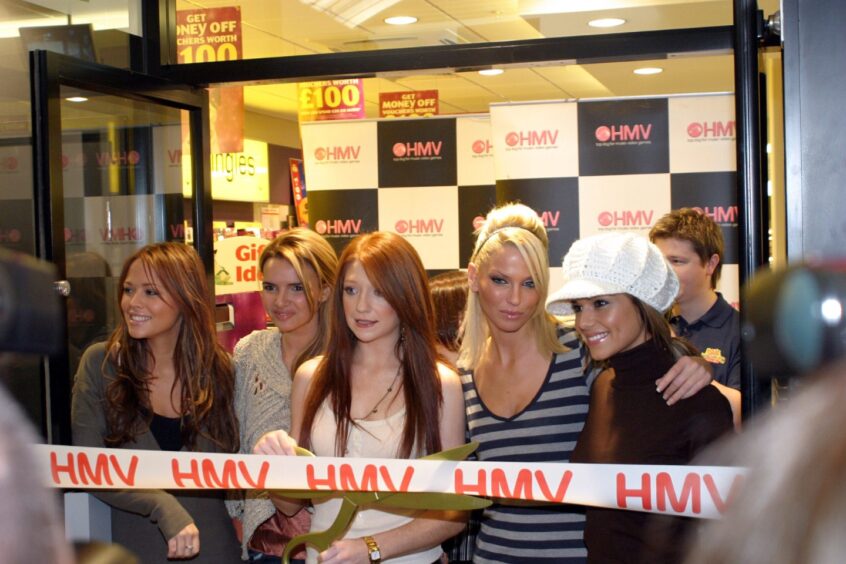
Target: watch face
[[375, 555]]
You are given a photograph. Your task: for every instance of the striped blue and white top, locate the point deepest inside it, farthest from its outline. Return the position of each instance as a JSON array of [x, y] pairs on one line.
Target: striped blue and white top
[[545, 431]]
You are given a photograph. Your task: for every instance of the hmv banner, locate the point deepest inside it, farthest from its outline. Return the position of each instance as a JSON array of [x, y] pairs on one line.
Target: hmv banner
[[340, 215], [715, 195], [340, 155], [427, 218], [417, 153], [635, 160], [585, 167], [553, 199], [623, 137]]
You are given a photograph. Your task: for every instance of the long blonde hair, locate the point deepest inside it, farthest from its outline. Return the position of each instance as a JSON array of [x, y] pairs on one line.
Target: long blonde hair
[[517, 225]]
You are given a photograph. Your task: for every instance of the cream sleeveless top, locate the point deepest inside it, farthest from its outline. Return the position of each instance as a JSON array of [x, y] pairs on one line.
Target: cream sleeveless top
[[378, 438]]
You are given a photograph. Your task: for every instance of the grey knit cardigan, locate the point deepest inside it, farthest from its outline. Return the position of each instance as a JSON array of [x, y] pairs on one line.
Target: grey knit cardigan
[[262, 404]]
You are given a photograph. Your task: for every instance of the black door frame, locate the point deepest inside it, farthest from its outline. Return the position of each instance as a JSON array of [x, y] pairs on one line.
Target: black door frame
[[48, 73]]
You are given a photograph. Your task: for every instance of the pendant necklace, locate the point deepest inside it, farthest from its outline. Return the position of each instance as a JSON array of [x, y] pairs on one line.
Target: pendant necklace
[[386, 394]]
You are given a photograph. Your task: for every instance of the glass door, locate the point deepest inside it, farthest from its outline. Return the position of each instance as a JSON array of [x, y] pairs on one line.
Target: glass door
[[119, 163]]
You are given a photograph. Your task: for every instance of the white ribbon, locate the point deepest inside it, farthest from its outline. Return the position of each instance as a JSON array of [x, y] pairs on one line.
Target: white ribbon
[[694, 491]]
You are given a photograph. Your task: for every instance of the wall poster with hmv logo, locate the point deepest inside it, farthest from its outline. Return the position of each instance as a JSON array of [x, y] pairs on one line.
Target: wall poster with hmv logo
[[340, 215], [421, 153], [638, 158], [586, 167]]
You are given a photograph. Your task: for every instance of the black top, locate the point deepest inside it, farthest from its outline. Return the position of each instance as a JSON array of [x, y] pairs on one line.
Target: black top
[[629, 423], [717, 336], [167, 431], [142, 519]]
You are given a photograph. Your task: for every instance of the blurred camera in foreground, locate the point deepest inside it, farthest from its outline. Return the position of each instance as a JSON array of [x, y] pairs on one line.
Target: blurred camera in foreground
[[794, 319]]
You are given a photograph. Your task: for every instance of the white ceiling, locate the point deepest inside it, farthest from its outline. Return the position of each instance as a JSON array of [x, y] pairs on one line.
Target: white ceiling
[[275, 28]]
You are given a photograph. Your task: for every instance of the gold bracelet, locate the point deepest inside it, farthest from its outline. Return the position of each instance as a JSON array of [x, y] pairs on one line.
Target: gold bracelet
[[373, 549]]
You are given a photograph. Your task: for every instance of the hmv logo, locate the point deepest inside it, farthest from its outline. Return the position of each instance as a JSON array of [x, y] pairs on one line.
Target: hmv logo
[[532, 138], [74, 235], [419, 226], [720, 214], [550, 219], [122, 235], [348, 153], [338, 226], [713, 129], [626, 218], [10, 235], [618, 133], [8, 164], [121, 158], [78, 160], [418, 149], [482, 147]]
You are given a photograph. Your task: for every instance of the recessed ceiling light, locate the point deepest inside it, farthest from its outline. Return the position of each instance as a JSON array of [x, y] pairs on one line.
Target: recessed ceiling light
[[649, 70], [491, 72], [77, 99], [606, 22], [400, 20]]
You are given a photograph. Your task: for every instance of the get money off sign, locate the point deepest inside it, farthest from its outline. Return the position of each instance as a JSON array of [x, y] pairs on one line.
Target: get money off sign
[[208, 35], [419, 103]]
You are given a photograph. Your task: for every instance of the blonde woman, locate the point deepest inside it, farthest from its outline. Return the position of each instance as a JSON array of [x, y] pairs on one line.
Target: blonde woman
[[298, 268], [525, 387]]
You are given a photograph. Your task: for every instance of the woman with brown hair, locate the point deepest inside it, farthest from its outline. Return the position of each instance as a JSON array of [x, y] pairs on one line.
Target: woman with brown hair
[[298, 268], [162, 382], [618, 285], [449, 296], [378, 392]]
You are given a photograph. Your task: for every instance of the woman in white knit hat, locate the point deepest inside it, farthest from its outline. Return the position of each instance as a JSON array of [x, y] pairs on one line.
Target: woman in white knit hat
[[618, 285], [525, 388]]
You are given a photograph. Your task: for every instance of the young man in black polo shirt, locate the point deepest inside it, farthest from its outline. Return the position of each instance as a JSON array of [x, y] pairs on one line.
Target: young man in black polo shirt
[[693, 244]]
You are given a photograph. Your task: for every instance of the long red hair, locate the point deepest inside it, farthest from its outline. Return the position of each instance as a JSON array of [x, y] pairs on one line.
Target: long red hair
[[395, 269]]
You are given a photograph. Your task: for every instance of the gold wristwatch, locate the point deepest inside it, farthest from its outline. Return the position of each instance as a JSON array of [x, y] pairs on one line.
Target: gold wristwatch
[[373, 549]]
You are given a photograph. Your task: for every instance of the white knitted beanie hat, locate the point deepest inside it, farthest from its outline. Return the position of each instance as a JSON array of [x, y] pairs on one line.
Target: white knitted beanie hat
[[615, 263]]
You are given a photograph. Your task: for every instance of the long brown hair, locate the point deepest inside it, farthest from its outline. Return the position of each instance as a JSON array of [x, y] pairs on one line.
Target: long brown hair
[[449, 297], [203, 369], [303, 247], [394, 268]]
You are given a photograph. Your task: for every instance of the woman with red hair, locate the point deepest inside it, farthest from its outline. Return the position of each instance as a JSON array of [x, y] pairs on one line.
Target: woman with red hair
[[379, 392]]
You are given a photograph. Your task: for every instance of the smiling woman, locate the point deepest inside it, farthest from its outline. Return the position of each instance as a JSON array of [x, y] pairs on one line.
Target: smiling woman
[[298, 268], [525, 387], [618, 285], [161, 382]]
